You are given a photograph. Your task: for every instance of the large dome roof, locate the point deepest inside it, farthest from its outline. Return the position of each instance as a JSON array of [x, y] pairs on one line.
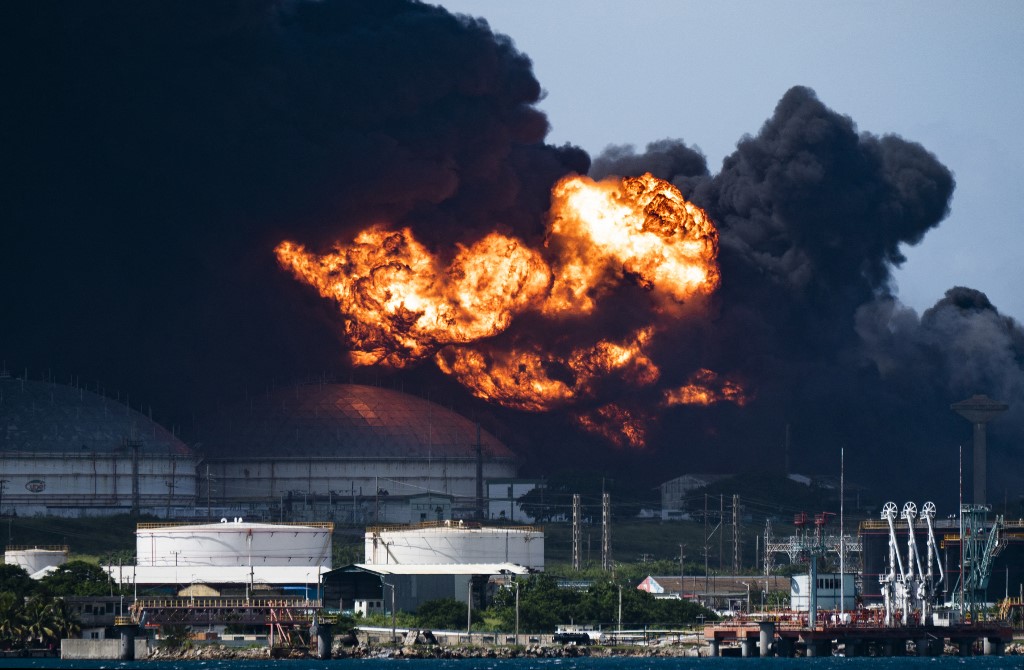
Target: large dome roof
[[345, 421], [38, 416]]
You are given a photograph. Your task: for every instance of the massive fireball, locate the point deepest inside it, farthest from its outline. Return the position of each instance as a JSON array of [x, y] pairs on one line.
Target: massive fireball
[[401, 303]]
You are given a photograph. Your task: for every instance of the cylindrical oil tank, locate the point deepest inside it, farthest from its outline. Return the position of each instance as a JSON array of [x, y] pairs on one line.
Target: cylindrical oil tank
[[234, 543], [34, 559], [455, 542]]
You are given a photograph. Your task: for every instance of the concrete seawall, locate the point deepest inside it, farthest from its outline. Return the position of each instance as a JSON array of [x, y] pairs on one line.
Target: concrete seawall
[[99, 650]]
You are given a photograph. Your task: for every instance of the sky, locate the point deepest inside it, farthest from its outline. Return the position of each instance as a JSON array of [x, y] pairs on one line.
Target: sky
[[947, 75]]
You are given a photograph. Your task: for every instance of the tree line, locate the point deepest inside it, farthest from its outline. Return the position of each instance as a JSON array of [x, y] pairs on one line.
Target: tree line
[[544, 604], [33, 614]]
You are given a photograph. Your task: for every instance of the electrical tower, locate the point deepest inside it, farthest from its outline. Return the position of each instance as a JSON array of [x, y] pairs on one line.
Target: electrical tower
[[979, 544], [606, 531], [576, 532]]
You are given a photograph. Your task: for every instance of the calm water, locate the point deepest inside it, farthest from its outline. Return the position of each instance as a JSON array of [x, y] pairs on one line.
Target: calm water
[[834, 663]]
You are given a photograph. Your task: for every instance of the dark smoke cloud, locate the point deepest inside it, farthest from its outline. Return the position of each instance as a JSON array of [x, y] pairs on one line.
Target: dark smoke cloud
[[812, 215], [156, 152]]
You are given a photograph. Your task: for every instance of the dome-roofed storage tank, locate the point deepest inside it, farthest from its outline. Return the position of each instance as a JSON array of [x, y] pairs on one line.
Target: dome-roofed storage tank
[[67, 451], [349, 452]]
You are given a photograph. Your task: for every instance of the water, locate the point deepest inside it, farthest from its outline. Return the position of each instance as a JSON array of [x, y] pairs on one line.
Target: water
[[826, 663]]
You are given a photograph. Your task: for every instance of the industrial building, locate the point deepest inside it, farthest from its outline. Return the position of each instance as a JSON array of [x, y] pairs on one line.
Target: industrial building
[[67, 451], [370, 589], [834, 591]]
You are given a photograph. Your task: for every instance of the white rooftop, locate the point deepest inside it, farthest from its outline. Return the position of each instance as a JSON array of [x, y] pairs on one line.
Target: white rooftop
[[446, 569], [215, 574]]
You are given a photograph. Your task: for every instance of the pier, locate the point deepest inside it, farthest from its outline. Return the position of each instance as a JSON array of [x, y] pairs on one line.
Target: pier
[[787, 638]]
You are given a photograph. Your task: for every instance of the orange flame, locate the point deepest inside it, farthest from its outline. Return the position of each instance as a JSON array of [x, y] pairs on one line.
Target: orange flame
[[535, 381], [402, 303], [616, 424], [704, 388], [640, 226]]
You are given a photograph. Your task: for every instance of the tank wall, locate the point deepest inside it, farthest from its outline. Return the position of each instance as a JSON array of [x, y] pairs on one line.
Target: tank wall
[[449, 545], [34, 560], [267, 478], [95, 480], [233, 544]]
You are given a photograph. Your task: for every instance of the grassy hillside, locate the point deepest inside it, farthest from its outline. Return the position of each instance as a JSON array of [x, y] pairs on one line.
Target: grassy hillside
[[85, 537]]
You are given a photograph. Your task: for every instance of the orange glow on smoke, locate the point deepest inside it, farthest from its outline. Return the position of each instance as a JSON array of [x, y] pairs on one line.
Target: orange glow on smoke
[[704, 388], [403, 303]]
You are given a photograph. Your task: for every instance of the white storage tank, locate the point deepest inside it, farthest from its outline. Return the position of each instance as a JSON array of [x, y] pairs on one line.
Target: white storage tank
[[36, 558], [455, 542], [234, 542]]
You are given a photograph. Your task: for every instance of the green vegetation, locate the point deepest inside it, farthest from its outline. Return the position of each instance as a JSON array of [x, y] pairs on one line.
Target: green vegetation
[[79, 578], [447, 614], [33, 615], [89, 537], [543, 605]]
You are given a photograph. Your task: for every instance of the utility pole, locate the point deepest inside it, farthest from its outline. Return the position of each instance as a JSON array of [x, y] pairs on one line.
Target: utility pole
[[682, 577], [209, 485], [706, 543], [170, 488], [3, 485], [469, 612], [135, 444], [721, 525], [736, 533], [620, 613]]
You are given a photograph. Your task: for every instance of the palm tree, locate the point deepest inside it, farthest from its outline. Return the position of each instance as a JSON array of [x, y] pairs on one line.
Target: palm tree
[[11, 621], [64, 622], [39, 620]]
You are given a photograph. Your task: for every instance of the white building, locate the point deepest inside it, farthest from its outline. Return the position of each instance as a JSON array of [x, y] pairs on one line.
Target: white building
[[675, 491], [503, 499], [834, 592]]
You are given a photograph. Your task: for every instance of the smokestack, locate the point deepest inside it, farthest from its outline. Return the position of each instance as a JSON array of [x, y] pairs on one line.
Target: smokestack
[[979, 410]]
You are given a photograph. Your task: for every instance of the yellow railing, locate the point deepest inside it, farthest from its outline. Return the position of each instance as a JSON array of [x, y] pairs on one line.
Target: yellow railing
[[207, 602], [40, 547], [454, 523], [327, 525]]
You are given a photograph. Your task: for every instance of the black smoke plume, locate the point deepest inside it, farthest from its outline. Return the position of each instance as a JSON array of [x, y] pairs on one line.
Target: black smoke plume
[[812, 216], [156, 152]]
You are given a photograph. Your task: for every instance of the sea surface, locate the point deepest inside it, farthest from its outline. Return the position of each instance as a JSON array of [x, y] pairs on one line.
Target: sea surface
[[825, 663]]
